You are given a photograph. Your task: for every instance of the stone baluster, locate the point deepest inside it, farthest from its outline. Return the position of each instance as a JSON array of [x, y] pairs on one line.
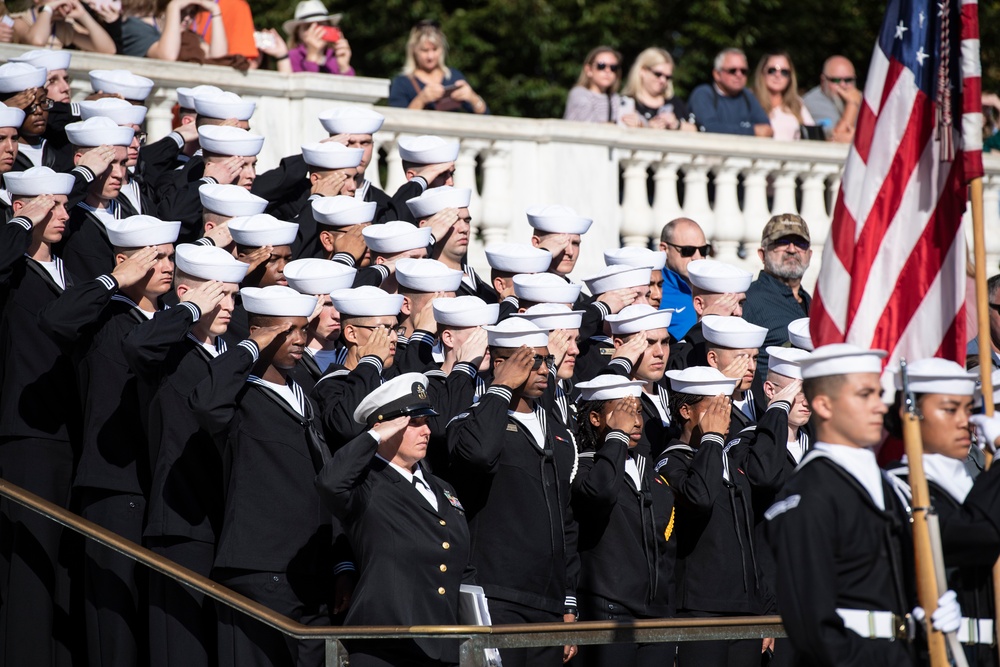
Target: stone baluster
[[729, 221], [814, 212], [496, 215], [755, 210], [636, 215], [784, 187], [696, 204], [991, 221], [159, 117], [465, 172], [373, 171], [666, 204], [395, 177]]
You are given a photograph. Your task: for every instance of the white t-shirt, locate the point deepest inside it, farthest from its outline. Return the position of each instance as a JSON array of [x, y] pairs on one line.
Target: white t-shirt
[[529, 420], [54, 272], [286, 393]]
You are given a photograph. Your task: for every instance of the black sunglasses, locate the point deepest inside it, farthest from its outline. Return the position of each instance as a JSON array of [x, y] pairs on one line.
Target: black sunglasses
[[538, 360], [603, 66], [796, 241], [838, 79], [732, 71], [690, 250], [659, 75], [779, 70]]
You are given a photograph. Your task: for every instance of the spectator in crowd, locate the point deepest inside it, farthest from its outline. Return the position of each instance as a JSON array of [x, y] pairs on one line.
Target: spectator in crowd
[[776, 297], [684, 241], [991, 121], [315, 43], [648, 99], [836, 101], [426, 82], [272, 45], [594, 98], [972, 350], [61, 24], [238, 21], [147, 34], [726, 106], [777, 90]]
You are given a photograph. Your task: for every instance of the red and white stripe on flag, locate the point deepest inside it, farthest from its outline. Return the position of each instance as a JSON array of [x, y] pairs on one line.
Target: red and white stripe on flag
[[893, 270]]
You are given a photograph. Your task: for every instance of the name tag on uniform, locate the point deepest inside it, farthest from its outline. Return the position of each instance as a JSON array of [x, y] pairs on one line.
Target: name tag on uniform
[[607, 351], [512, 427]]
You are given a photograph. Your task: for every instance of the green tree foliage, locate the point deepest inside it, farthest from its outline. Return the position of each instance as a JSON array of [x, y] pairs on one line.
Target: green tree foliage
[[522, 56]]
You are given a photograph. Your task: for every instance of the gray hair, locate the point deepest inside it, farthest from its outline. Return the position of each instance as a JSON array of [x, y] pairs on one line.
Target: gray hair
[[721, 57]]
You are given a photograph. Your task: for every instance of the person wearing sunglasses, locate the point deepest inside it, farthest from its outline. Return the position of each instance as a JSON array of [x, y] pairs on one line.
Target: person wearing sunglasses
[[836, 101], [777, 90], [648, 99], [725, 105], [683, 241], [594, 98]]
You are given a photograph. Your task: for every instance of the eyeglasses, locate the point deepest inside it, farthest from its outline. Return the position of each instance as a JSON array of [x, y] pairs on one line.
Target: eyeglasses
[[142, 136], [849, 80], [603, 66], [690, 250], [659, 75], [45, 105], [783, 72], [538, 360], [733, 71], [795, 241], [372, 327]]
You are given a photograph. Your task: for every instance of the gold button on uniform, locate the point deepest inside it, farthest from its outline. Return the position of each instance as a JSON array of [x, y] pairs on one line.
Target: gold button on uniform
[[445, 545], [443, 522], [444, 568], [441, 591]]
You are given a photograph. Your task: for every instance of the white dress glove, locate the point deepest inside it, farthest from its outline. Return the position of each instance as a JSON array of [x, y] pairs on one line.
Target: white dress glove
[[987, 431], [948, 615]]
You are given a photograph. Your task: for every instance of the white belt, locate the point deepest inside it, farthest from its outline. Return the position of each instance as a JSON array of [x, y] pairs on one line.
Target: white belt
[[877, 624], [976, 631]]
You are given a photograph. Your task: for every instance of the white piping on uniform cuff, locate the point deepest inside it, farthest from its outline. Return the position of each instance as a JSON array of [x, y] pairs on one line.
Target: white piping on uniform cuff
[[502, 392], [617, 436], [623, 362], [346, 566], [21, 221], [383, 269], [87, 173], [372, 359], [109, 282], [195, 310], [345, 258], [713, 437], [208, 180], [422, 337], [784, 405], [178, 139], [465, 367], [251, 347], [604, 308]]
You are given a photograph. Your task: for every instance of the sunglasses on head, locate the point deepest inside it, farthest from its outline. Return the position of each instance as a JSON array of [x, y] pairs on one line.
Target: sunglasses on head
[[779, 70], [796, 241], [603, 66], [690, 250], [659, 75], [840, 79], [733, 71]]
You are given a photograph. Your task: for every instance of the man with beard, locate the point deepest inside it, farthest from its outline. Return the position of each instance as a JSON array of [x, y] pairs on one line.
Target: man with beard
[[776, 298]]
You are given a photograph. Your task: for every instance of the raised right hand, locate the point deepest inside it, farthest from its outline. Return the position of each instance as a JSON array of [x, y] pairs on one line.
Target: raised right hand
[[225, 171], [98, 159], [379, 343], [37, 209], [716, 418], [624, 414], [633, 348], [513, 372], [441, 223], [473, 349], [617, 299], [738, 367], [352, 241], [206, 296], [429, 172], [136, 267], [387, 430], [724, 305], [267, 336], [258, 257]]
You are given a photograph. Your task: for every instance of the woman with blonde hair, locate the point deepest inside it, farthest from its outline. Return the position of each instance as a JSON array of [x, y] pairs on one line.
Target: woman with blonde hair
[[648, 99], [594, 98], [426, 82], [776, 88]]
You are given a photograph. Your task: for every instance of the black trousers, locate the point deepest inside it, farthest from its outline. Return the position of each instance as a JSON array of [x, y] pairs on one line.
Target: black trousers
[[597, 608], [722, 653], [182, 621], [504, 613], [114, 587], [244, 642], [36, 557]]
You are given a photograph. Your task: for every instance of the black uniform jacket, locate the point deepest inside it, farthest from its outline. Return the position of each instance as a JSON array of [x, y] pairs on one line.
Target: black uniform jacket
[[689, 350], [836, 549], [627, 543], [339, 393], [656, 433], [517, 497], [411, 558], [274, 520], [88, 253]]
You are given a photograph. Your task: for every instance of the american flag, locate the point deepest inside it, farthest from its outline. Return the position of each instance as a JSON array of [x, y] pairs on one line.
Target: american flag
[[893, 271]]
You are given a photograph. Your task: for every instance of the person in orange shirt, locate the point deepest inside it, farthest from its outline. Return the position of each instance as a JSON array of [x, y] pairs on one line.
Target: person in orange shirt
[[238, 20]]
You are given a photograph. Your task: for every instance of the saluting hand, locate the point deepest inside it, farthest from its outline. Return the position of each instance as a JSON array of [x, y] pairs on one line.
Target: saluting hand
[[130, 271], [624, 414], [224, 171], [473, 349], [787, 393], [352, 241], [715, 419], [99, 159], [330, 184], [393, 427], [206, 296], [430, 172], [220, 235], [738, 367], [559, 344], [513, 372], [256, 258], [37, 209], [617, 299], [268, 336], [724, 305], [379, 343], [423, 319], [632, 349], [441, 223]]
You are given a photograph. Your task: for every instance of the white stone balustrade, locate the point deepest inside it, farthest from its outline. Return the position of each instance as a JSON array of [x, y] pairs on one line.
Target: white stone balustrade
[[730, 185]]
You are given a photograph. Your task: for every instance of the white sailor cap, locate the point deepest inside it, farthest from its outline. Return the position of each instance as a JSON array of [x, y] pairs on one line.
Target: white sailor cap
[[403, 396], [37, 181], [654, 259], [464, 311], [545, 288], [226, 140], [277, 301], [427, 149], [608, 388], [231, 200], [515, 332], [718, 277], [367, 301], [11, 116], [209, 263], [552, 316], [120, 111], [434, 200], [50, 59], [342, 211], [396, 236], [427, 275], [732, 332], [618, 276], [785, 361], [351, 120], [701, 381], [318, 276], [121, 82], [98, 131], [798, 334], [557, 219], [185, 96], [15, 77], [518, 258], [841, 359], [139, 231], [331, 155], [938, 376], [639, 317], [223, 105], [257, 231]]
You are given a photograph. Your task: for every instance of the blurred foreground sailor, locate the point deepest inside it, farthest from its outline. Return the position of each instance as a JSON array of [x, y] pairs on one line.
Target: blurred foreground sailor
[[407, 527]]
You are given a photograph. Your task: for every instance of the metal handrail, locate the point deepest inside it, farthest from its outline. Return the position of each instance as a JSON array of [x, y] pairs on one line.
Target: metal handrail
[[476, 637]]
